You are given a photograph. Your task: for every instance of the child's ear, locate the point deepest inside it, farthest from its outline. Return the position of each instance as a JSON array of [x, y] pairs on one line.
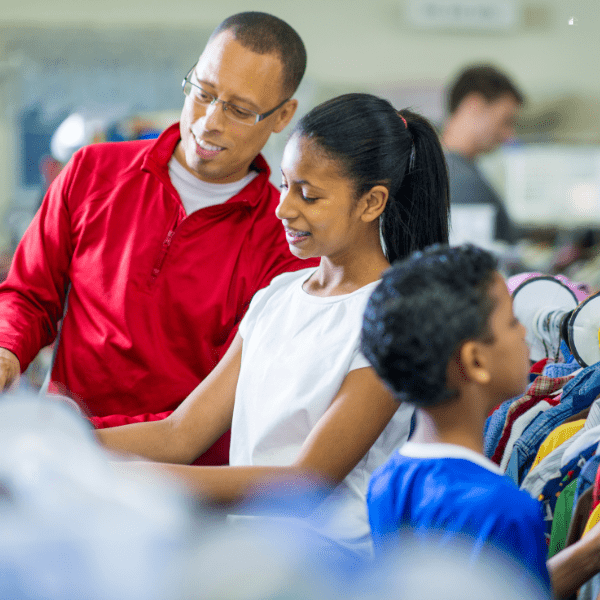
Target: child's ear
[[474, 363]]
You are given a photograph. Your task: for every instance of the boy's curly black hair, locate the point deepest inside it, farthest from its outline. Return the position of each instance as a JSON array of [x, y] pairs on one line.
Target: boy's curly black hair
[[424, 309]]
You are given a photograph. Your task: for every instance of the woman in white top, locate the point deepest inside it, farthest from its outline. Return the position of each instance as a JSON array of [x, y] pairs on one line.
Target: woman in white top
[[302, 402]]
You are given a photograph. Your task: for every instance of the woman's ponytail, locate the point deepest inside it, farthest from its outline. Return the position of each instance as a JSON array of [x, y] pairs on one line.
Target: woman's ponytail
[[417, 213]]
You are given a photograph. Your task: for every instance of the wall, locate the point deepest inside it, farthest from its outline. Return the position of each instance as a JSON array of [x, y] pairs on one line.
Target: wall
[[352, 44]]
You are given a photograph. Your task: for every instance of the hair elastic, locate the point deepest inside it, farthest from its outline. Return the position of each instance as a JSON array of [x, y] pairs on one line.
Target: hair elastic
[[403, 120]]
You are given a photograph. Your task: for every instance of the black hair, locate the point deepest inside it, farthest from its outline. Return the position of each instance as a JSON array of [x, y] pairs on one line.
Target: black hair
[[266, 34], [376, 145], [420, 314], [486, 80]]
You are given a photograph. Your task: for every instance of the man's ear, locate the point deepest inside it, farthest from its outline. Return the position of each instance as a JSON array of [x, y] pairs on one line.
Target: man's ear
[[473, 363], [284, 115], [373, 203]]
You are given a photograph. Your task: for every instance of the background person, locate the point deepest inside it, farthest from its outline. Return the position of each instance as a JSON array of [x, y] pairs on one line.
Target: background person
[[482, 107], [162, 242], [302, 401]]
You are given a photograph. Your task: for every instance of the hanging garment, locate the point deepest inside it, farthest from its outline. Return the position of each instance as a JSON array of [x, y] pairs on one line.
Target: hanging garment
[[579, 517], [562, 518], [588, 436], [569, 458], [594, 518], [552, 489], [494, 426], [582, 414], [596, 491], [557, 437], [538, 367], [577, 445], [568, 367], [521, 424], [587, 476], [540, 389], [578, 393]]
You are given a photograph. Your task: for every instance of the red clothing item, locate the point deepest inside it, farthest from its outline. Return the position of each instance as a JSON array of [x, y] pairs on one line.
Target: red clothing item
[[156, 296], [595, 492], [539, 390]]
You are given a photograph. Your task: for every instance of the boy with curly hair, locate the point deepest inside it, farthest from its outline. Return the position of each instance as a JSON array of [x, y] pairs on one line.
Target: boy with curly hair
[[440, 331]]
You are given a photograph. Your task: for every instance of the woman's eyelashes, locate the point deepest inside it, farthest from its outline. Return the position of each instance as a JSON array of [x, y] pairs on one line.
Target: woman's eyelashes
[[283, 186]]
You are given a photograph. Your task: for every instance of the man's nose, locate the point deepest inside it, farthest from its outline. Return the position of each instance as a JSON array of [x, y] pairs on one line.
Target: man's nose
[[214, 115]]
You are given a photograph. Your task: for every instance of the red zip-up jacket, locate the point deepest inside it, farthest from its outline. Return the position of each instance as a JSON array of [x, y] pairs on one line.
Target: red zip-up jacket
[[155, 296]]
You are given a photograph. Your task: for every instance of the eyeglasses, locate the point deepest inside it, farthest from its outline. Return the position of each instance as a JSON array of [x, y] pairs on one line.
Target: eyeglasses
[[236, 113]]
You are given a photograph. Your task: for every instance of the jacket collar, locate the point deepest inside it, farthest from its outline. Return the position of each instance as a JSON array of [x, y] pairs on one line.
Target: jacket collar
[[159, 155]]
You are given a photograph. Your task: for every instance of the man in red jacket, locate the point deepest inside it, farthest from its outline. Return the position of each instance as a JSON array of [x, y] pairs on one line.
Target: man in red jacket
[[161, 243]]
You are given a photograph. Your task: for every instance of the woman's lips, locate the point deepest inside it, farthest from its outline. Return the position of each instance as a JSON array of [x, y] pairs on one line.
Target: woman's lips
[[293, 236]]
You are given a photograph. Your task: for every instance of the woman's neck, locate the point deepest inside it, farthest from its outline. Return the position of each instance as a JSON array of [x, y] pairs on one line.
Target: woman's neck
[[345, 274]]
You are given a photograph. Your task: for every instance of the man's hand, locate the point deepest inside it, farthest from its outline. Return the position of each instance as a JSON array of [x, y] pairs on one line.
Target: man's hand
[[10, 369]]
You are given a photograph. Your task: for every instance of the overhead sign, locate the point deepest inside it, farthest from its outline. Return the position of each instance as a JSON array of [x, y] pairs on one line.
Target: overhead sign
[[463, 14]]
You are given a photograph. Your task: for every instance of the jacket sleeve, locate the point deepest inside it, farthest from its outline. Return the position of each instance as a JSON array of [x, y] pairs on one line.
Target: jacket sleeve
[[117, 420], [33, 295]]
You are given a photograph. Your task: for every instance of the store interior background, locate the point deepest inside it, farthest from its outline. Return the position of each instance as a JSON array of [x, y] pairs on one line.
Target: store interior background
[[121, 62], [120, 65]]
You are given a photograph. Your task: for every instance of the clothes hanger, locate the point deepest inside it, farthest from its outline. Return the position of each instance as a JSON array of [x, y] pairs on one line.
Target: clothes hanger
[[551, 313]]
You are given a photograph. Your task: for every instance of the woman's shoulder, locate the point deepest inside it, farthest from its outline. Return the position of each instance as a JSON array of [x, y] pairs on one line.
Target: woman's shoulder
[[281, 284], [289, 278]]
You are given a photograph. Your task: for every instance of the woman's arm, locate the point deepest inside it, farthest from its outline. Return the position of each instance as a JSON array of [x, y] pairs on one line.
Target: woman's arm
[[193, 427], [351, 425]]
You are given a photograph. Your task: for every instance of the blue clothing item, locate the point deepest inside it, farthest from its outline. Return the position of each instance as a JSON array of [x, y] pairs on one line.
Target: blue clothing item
[[492, 430], [587, 476], [512, 469], [570, 365], [560, 369], [578, 393], [448, 501], [555, 486]]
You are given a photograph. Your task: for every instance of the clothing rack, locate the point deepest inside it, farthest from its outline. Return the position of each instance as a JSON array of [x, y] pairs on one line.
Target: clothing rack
[[548, 439]]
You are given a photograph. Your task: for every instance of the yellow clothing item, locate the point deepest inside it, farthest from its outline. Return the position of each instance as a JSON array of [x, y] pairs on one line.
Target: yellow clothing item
[[557, 436], [593, 519]]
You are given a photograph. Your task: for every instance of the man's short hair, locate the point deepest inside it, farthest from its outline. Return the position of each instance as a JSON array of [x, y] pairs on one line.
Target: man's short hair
[[266, 34], [421, 313], [486, 80]]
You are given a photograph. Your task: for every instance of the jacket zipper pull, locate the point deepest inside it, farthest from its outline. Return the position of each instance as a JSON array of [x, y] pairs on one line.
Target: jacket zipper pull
[[163, 254]]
